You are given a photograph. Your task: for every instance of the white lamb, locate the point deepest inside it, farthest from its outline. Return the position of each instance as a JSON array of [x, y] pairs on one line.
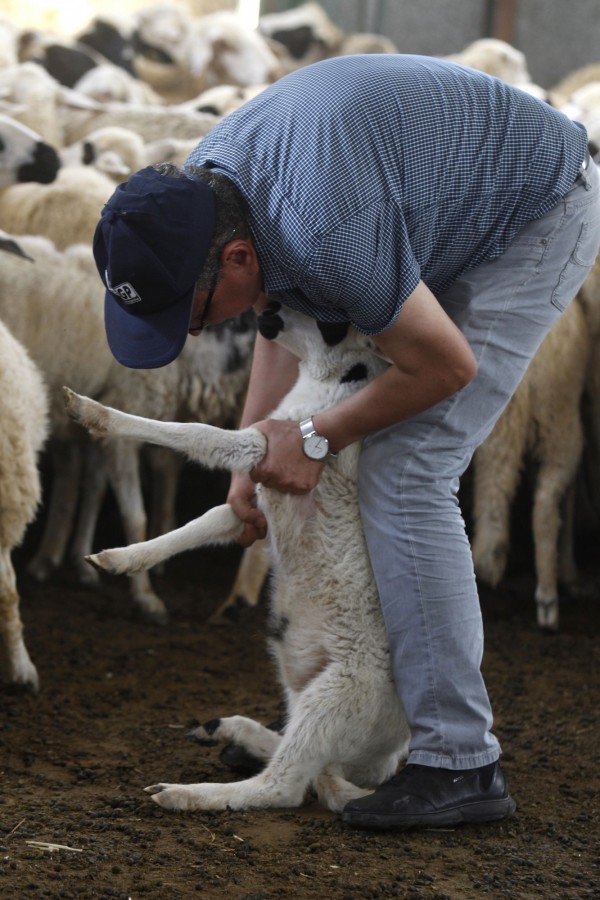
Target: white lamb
[[23, 413], [346, 731], [541, 422]]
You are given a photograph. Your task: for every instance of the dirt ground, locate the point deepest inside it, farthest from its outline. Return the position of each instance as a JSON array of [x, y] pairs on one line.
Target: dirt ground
[[118, 695]]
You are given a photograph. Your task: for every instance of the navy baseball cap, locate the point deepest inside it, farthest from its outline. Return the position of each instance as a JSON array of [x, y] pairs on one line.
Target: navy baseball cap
[[150, 246]]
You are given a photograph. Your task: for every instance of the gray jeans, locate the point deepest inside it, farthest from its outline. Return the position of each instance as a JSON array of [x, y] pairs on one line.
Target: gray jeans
[[409, 477]]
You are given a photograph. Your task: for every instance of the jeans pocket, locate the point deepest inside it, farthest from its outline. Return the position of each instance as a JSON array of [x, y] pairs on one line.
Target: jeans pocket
[[578, 265]]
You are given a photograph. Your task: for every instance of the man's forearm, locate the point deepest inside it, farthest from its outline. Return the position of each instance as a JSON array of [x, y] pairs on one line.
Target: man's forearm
[[274, 372]]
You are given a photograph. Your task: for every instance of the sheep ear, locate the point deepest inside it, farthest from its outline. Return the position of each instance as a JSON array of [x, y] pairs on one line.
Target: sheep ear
[[9, 245], [333, 332]]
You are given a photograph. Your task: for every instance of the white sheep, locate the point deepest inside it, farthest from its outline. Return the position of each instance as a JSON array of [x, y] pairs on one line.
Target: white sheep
[[107, 83], [542, 422], [114, 151], [221, 99], [66, 211], [53, 301], [180, 55], [31, 96], [346, 731], [152, 122], [305, 34], [24, 156], [501, 60], [23, 413]]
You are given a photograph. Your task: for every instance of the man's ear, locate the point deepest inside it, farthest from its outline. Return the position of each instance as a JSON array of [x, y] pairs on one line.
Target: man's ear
[[240, 253]]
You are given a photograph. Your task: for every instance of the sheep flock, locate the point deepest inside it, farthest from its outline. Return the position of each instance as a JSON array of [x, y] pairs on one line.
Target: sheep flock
[[79, 114]]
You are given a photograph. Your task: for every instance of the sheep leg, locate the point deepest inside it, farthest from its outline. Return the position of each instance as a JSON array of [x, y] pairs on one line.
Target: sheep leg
[[552, 483], [497, 469], [235, 451], [22, 670], [123, 465], [66, 478], [218, 525], [165, 468], [250, 578], [93, 491]]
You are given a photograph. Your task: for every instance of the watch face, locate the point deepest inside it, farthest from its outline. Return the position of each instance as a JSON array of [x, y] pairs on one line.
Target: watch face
[[316, 446]]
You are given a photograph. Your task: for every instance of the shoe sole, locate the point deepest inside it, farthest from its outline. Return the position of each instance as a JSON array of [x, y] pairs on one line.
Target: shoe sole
[[488, 811]]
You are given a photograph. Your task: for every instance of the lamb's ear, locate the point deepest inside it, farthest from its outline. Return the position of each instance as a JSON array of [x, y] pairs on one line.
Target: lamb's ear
[[333, 332], [9, 245], [270, 323]]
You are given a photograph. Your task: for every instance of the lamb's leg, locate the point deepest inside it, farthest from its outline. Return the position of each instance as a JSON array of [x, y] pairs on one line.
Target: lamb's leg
[[235, 451], [22, 670], [258, 740], [251, 575], [218, 525], [336, 717]]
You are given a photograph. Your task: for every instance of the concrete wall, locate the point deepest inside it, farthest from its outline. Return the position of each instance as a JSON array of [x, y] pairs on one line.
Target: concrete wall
[[556, 36]]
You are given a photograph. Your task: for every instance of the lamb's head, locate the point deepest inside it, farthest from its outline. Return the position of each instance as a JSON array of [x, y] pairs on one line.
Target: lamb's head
[[331, 351]]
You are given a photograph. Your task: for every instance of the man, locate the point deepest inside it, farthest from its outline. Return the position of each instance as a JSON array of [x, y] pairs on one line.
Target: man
[[452, 218]]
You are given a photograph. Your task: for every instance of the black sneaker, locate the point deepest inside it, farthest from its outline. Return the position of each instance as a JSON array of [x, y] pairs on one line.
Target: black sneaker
[[423, 795]]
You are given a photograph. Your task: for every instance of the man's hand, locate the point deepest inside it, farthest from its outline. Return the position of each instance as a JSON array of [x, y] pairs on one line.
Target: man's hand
[[285, 467], [242, 499]]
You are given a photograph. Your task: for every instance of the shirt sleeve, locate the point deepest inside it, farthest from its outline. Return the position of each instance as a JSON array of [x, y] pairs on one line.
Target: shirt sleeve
[[366, 267]]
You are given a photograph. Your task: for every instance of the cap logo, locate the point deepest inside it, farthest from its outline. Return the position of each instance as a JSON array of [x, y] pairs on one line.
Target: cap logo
[[125, 291]]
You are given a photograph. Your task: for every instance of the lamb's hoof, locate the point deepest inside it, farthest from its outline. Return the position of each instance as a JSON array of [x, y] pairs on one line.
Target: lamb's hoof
[[241, 760]]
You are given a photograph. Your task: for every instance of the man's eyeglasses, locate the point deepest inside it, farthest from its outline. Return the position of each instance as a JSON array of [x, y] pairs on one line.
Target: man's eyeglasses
[[211, 292]]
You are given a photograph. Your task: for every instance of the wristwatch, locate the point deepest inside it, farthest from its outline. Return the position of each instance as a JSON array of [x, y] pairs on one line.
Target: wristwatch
[[315, 445]]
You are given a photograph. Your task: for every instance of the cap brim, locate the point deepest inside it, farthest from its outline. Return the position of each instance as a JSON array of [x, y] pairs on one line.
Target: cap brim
[[151, 341]]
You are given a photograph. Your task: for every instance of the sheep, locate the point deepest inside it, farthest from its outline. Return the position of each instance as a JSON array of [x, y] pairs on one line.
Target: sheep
[[222, 99], [149, 121], [23, 412], [543, 421], [207, 382], [24, 156], [502, 60], [111, 36], [180, 56], [66, 211], [53, 303], [114, 151], [346, 730], [305, 34], [107, 83], [583, 106], [31, 96]]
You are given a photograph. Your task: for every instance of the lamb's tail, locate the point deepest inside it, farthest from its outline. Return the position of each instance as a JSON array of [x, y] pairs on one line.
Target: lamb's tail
[[219, 525]]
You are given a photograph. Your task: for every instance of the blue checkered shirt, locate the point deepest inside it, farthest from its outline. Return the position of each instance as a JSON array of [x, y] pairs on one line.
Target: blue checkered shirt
[[364, 174]]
